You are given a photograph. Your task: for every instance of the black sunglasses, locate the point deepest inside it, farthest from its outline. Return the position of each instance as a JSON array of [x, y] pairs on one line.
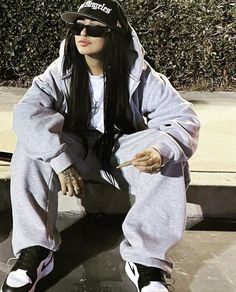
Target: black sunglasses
[[91, 30]]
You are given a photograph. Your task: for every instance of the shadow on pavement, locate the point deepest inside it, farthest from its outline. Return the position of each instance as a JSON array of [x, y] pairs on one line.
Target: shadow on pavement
[[81, 243], [5, 224]]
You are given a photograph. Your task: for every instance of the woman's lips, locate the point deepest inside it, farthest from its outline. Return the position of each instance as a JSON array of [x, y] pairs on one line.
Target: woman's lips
[[84, 43]]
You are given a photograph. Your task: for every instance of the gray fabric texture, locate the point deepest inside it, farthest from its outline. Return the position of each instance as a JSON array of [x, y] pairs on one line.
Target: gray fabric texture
[[153, 224]]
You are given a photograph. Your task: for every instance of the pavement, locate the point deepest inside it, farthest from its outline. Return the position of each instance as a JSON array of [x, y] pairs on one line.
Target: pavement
[[205, 259]]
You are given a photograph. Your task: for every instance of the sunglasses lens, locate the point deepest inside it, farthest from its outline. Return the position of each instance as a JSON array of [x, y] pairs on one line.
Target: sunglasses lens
[[91, 30], [96, 31], [76, 28]]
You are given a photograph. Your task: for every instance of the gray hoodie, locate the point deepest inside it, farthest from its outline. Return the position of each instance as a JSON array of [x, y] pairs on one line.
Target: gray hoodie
[[38, 118]]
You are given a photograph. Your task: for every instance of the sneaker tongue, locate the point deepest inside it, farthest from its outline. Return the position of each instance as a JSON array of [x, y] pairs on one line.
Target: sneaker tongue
[[31, 257], [148, 275], [152, 274]]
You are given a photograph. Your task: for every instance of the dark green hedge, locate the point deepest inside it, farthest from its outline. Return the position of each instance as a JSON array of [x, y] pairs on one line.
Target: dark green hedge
[[193, 42]]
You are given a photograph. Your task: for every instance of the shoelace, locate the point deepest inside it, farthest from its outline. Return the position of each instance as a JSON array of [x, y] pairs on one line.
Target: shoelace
[[168, 284]]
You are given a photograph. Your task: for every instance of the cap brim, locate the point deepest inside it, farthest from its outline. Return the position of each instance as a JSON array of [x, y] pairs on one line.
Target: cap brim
[[70, 17]]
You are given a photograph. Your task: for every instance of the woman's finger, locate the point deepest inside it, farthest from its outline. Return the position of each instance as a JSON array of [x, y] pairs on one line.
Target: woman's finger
[[76, 187], [142, 158], [63, 184], [146, 162], [148, 169], [63, 188], [156, 168], [70, 189], [142, 155]]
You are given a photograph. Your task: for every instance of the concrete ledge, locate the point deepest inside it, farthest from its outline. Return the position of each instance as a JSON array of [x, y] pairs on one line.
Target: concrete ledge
[[4, 170], [210, 195], [195, 96], [203, 201], [214, 201], [213, 178]]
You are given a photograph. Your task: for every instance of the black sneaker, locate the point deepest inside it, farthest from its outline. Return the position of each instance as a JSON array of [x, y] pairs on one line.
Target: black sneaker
[[146, 279], [33, 264]]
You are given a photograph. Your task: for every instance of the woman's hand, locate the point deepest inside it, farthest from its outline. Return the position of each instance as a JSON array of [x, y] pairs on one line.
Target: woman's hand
[[148, 160], [71, 182]]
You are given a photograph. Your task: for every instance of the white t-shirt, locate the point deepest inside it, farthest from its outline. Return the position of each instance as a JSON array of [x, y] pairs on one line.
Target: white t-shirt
[[96, 89]]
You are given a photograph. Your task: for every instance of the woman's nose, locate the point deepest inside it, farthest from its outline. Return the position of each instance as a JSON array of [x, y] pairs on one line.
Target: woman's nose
[[83, 32]]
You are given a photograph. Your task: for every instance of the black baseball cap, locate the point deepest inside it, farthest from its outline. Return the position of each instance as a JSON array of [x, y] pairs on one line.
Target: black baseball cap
[[108, 12]]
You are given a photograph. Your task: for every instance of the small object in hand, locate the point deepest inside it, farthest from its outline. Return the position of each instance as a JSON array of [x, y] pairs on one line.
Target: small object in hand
[[124, 164], [130, 162]]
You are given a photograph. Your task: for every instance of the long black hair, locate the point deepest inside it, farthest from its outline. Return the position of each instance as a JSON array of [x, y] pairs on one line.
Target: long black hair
[[117, 110]]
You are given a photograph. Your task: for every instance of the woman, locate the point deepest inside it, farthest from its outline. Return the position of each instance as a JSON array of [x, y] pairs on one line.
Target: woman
[[78, 121]]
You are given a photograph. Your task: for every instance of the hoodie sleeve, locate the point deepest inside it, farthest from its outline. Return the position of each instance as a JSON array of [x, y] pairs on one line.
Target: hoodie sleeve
[[38, 126], [173, 117]]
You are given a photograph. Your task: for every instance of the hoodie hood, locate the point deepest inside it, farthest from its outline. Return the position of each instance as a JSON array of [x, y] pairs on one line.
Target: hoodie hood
[[138, 52]]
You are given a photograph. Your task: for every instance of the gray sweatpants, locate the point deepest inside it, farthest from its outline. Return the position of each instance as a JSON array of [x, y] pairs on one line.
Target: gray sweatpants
[[153, 225]]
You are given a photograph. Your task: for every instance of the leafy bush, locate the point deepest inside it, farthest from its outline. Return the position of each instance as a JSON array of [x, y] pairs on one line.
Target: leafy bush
[[193, 42], [31, 33]]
